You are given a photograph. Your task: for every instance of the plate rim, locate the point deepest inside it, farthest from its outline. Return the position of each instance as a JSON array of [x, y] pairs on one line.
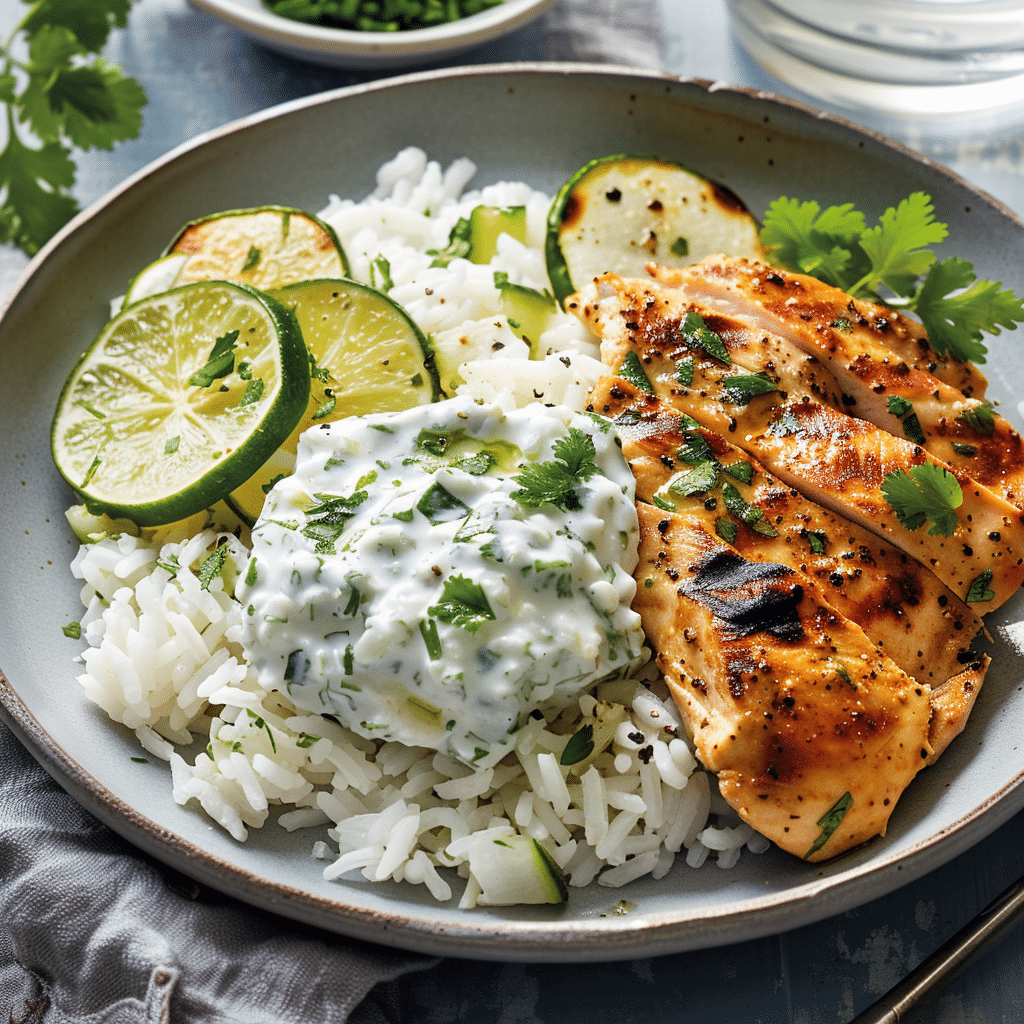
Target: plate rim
[[645, 934]]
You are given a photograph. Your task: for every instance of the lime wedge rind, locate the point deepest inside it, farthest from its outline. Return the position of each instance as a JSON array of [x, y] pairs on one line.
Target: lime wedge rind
[[165, 449]]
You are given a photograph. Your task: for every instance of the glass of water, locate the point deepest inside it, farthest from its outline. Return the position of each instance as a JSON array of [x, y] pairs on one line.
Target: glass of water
[[910, 59]]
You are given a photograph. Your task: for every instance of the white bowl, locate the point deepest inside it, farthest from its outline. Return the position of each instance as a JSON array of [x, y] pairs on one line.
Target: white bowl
[[344, 48]]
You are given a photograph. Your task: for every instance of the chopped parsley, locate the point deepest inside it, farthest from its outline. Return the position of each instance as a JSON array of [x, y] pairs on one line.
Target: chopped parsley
[[458, 246], [830, 821], [631, 369], [73, 630], [326, 520], [212, 566], [219, 363], [252, 258], [979, 590], [463, 603], [580, 745], [439, 505]]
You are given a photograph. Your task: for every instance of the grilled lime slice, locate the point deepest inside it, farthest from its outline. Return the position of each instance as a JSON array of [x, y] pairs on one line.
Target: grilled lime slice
[[264, 247], [182, 397], [367, 356], [618, 213]]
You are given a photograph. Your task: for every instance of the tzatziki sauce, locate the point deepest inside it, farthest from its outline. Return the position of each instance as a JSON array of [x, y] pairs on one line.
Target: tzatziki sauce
[[434, 576]]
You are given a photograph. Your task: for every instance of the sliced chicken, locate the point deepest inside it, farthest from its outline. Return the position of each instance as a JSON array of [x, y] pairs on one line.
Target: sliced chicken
[[906, 400], [813, 733], [835, 460], [904, 609], [830, 310]]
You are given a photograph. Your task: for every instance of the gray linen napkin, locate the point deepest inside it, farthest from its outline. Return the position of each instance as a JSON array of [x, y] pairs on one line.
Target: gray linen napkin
[[93, 931]]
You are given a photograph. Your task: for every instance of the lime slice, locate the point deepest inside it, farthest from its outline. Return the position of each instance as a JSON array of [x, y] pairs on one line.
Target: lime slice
[[181, 398], [265, 247], [368, 356], [618, 213]]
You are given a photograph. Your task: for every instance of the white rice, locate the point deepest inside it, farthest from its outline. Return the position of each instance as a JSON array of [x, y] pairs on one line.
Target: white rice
[[164, 658]]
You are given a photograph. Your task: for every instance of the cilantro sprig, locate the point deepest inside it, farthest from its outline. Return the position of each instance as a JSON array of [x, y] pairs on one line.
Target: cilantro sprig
[[555, 481], [59, 96], [892, 262]]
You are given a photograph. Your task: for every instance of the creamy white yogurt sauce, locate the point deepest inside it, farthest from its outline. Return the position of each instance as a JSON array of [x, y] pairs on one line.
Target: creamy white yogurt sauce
[[402, 580]]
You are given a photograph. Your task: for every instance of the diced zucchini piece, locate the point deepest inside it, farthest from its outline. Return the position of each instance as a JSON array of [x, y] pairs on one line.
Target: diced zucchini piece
[[528, 311], [486, 223], [618, 213], [515, 869]]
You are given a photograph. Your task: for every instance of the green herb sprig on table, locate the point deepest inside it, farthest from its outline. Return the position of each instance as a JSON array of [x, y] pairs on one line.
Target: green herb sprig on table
[[59, 96], [378, 15], [891, 262]]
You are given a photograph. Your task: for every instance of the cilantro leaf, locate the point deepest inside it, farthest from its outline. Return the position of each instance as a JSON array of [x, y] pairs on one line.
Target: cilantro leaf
[[555, 481], [924, 493], [834, 246], [955, 320], [463, 603], [211, 566], [801, 236], [896, 245], [68, 97]]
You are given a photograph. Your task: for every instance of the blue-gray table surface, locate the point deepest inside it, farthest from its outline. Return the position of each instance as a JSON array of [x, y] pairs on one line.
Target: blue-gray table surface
[[200, 74]]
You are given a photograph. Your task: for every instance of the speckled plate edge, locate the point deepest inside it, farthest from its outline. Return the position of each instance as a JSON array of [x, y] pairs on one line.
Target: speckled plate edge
[[577, 940]]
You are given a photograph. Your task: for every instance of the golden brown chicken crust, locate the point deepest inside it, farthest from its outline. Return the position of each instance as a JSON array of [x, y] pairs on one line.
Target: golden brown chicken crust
[[882, 387], [836, 460], [790, 703], [903, 608]]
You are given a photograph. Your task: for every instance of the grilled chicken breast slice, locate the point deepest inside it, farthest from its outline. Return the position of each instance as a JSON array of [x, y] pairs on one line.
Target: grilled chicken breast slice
[[829, 310], [837, 461], [813, 734], [902, 607], [906, 400]]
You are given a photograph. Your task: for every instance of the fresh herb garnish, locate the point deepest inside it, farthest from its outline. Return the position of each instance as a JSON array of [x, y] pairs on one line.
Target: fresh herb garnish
[[680, 247], [171, 445], [580, 745], [211, 566], [632, 370], [463, 603], [697, 334], [458, 246], [924, 493], [555, 481], [980, 419], [979, 590], [742, 387], [837, 247], [73, 630], [327, 519], [220, 362], [381, 268], [69, 98], [439, 505], [253, 392], [428, 630], [830, 821], [898, 406]]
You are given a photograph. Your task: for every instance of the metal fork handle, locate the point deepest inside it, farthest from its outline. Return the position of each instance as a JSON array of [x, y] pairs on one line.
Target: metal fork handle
[[1003, 914]]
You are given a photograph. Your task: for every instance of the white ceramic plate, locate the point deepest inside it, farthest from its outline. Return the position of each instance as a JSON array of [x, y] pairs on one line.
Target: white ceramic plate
[[350, 49], [540, 124]]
